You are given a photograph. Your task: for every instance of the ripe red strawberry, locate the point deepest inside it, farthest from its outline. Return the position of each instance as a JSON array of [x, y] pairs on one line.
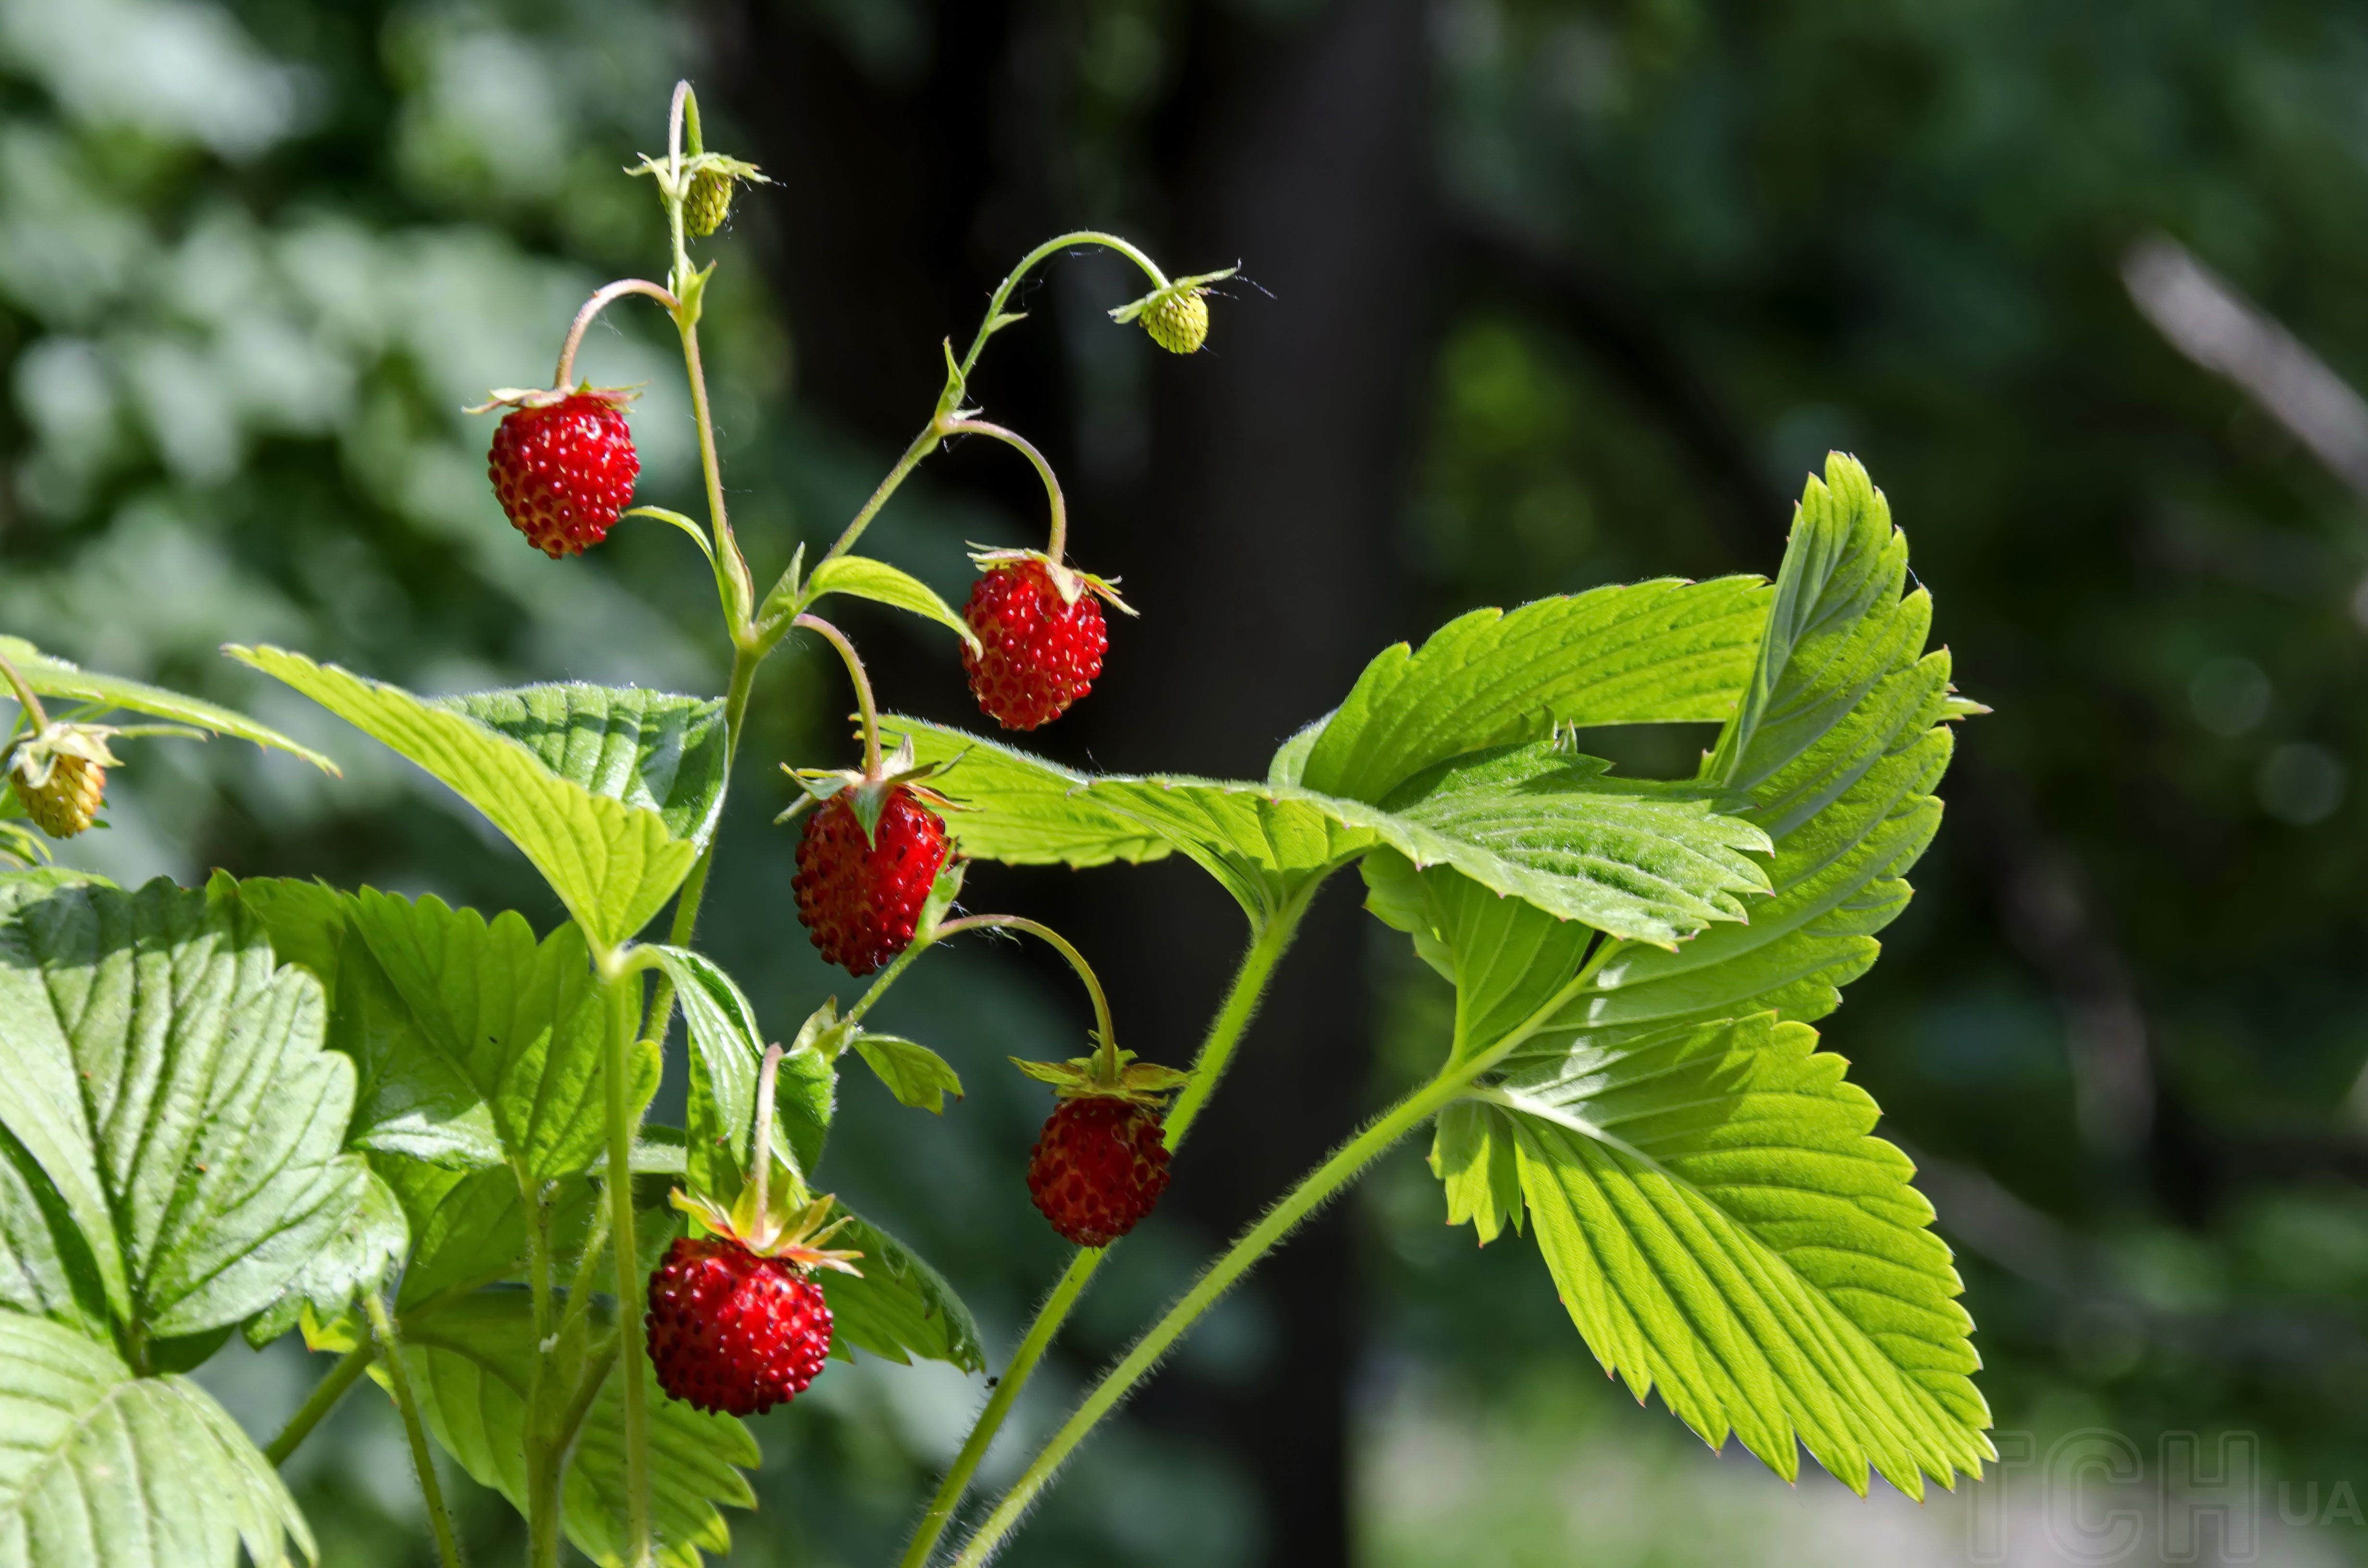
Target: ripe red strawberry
[[732, 1331], [861, 899], [1097, 1169], [565, 471], [1037, 650]]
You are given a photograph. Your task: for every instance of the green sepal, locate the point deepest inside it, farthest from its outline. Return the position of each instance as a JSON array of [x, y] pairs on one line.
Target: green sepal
[[1082, 1077], [1195, 284]]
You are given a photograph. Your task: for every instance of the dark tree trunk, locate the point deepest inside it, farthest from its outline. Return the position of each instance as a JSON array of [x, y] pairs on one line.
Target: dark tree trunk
[[1255, 539]]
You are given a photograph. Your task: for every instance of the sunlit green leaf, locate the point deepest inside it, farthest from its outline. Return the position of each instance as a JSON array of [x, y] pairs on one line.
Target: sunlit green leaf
[[100, 1469], [651, 749], [1662, 651], [171, 1083], [52, 677], [612, 865], [727, 1050], [876, 580], [917, 1075]]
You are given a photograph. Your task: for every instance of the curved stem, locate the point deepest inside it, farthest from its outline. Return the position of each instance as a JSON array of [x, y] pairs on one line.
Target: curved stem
[[1108, 1052], [623, 1014], [1345, 1164], [398, 1379], [564, 377], [1027, 264], [837, 639], [1058, 545], [1225, 1031], [24, 695], [321, 1401], [740, 587]]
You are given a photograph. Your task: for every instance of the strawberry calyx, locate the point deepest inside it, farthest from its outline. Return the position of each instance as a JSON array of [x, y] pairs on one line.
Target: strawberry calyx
[[1107, 1075], [551, 397], [1067, 581], [1182, 289], [32, 761], [789, 1229], [867, 791]]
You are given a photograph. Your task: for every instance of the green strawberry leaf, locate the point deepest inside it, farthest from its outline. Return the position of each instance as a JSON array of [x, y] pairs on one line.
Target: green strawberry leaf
[[103, 694], [1647, 861], [1722, 1227], [1662, 651], [649, 749], [1022, 810], [101, 1469], [171, 1084], [917, 1075], [1837, 758], [19, 845], [46, 1265], [1702, 1180], [882, 583], [899, 1307], [727, 1048], [470, 1363], [612, 865], [467, 1227], [361, 1257], [479, 1045]]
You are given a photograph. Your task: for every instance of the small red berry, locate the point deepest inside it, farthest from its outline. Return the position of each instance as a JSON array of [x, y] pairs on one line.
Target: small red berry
[[735, 1331], [1097, 1169], [862, 900], [565, 473], [1037, 652]]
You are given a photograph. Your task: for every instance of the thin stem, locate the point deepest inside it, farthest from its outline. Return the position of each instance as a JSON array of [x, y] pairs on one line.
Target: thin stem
[[1049, 1318], [1057, 545], [694, 887], [623, 1014], [564, 377], [889, 976], [398, 1379], [587, 1264], [763, 1152], [321, 1401], [1226, 1031], [1108, 1052], [1345, 1165], [1026, 262], [837, 639], [741, 588], [24, 696], [923, 444]]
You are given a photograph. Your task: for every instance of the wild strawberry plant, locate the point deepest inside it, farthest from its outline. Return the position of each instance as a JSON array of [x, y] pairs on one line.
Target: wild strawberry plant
[[416, 1135]]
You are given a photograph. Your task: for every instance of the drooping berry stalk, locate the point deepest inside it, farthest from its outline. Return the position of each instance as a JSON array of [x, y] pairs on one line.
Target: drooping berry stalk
[[1345, 1166]]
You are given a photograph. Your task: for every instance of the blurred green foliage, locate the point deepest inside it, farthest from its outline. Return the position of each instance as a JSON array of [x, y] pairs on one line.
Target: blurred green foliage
[[255, 255]]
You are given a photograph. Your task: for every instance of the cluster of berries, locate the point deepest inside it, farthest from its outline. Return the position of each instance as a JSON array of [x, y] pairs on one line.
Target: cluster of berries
[[738, 1319]]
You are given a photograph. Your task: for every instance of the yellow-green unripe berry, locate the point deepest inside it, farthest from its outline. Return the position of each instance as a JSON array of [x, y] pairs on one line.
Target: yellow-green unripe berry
[[1179, 321], [710, 199], [69, 802]]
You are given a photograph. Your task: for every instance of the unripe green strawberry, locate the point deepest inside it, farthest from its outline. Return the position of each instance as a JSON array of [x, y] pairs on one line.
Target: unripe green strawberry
[[69, 802], [709, 203], [1179, 321]]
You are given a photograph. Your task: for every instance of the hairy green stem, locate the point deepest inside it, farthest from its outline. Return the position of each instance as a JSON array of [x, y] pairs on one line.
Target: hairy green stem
[[1320, 1186], [862, 682], [1059, 944], [920, 448], [694, 887], [1057, 545], [321, 1401], [1028, 264], [398, 1381], [1250, 978], [624, 1013], [563, 379], [34, 714]]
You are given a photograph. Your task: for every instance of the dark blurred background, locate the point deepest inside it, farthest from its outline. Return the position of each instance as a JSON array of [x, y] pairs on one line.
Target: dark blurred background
[[1536, 294]]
